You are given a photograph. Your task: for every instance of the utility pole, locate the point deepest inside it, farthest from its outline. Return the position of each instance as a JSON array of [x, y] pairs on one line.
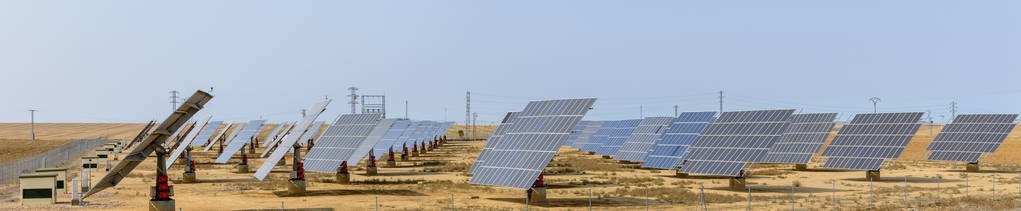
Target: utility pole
[[406, 109], [32, 111], [721, 102], [354, 98], [467, 109], [173, 101], [641, 112], [953, 109], [875, 104], [675, 111]]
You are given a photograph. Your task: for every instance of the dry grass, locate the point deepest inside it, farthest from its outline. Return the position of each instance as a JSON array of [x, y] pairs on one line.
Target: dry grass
[[677, 195]]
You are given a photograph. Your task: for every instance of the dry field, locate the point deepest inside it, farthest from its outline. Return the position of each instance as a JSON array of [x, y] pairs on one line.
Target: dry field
[[428, 183], [15, 138]]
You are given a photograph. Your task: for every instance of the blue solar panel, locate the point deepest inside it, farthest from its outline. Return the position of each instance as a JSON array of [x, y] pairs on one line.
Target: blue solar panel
[[642, 139], [600, 136], [866, 141], [586, 134], [671, 147], [803, 139], [735, 139], [575, 133], [528, 146], [970, 135], [390, 138], [501, 130], [618, 136]]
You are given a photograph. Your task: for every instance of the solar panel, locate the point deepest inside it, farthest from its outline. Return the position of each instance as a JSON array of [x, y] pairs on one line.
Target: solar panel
[[803, 139], [152, 142], [600, 137], [642, 139], [528, 146], [575, 133], [280, 136], [234, 133], [206, 133], [186, 142], [240, 140], [586, 133], [312, 133], [618, 136], [866, 141], [384, 145], [970, 135], [218, 135], [300, 128], [725, 146], [508, 121], [340, 141], [670, 148], [273, 133]]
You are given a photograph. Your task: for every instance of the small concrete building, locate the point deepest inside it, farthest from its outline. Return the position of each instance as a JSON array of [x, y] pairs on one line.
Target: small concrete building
[[90, 162], [102, 153], [61, 176], [38, 189]]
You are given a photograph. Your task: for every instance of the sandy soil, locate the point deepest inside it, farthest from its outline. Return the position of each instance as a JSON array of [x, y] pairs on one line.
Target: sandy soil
[[428, 182], [15, 138]]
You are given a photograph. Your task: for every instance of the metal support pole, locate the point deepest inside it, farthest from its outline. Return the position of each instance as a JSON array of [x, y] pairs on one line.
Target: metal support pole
[[590, 197], [749, 198], [905, 190], [647, 196], [967, 186], [937, 186], [377, 203], [451, 199], [792, 196], [835, 193], [870, 192]]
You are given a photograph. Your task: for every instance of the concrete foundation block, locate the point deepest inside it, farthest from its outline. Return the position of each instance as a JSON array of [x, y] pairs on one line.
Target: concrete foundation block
[[343, 178], [162, 205], [189, 177], [296, 186]]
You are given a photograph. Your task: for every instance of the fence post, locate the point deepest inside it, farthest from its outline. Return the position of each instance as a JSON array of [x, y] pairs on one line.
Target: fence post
[[835, 205], [937, 186], [793, 202], [967, 186], [590, 197], [749, 198], [647, 196], [451, 203], [870, 192], [906, 191]]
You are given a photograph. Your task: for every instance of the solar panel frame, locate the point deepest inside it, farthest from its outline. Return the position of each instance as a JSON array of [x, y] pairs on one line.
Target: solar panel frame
[[390, 138], [218, 135], [505, 124], [970, 135], [244, 137], [803, 139], [207, 132], [618, 136], [871, 138], [586, 133], [737, 138], [642, 139], [279, 137], [340, 141], [670, 149], [529, 145], [276, 129], [285, 145]]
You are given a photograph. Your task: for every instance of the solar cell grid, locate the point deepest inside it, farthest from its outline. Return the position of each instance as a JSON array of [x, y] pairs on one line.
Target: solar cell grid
[[724, 147], [240, 140], [642, 139], [206, 133], [866, 141], [340, 142], [586, 133], [618, 136], [601, 135], [391, 137], [524, 151], [670, 148], [970, 135], [508, 121], [803, 139], [285, 145]]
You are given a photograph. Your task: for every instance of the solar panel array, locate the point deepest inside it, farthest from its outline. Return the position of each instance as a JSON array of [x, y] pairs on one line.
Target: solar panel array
[[505, 125], [618, 136], [724, 147], [670, 148], [600, 137], [589, 128], [206, 133], [340, 141], [970, 135], [528, 146], [300, 128], [218, 135], [273, 133], [575, 133], [240, 140], [642, 139], [384, 145], [187, 140], [312, 133], [866, 141], [803, 139], [272, 142]]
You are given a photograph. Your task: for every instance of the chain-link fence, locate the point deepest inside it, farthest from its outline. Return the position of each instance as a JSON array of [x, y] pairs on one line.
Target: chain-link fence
[[11, 169]]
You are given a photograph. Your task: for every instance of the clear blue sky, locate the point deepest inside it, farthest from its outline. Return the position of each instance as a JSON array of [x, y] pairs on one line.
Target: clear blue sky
[[96, 61]]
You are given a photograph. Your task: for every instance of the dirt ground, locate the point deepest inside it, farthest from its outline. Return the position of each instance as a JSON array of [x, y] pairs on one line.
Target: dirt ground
[[429, 182]]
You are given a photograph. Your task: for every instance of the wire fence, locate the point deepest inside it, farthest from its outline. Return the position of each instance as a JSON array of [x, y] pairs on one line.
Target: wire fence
[[11, 169]]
